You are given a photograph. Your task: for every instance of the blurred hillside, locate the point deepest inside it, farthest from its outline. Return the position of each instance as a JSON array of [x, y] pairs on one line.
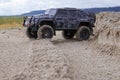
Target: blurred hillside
[[96, 10]]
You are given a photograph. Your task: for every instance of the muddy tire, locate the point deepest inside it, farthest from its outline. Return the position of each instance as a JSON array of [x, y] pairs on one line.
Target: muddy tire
[[45, 32], [68, 34], [30, 34], [83, 33]]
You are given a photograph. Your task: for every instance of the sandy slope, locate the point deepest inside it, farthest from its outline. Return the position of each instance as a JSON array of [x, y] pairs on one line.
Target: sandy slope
[[89, 62], [60, 59], [14, 52]]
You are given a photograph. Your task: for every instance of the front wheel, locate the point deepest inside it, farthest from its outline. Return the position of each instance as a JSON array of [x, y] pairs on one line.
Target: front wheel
[[31, 34], [83, 33], [45, 31]]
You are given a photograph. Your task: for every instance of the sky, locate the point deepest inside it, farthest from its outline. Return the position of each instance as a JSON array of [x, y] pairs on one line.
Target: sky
[[16, 7]]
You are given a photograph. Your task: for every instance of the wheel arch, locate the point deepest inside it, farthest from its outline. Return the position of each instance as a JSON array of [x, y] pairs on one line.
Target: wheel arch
[[48, 22], [84, 24]]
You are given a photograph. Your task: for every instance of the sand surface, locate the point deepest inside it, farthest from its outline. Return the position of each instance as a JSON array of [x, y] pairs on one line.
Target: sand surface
[[60, 59]]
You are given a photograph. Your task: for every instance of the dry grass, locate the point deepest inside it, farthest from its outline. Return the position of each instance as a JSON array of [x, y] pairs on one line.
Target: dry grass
[[10, 22]]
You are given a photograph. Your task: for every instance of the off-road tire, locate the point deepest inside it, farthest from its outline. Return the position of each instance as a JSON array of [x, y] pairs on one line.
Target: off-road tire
[[45, 32], [83, 33], [31, 34], [68, 34]]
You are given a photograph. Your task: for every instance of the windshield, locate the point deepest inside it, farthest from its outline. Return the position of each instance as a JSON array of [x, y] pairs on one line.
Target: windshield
[[51, 12]]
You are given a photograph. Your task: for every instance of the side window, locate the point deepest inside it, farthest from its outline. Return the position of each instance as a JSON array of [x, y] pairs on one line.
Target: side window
[[72, 13], [62, 12], [81, 14]]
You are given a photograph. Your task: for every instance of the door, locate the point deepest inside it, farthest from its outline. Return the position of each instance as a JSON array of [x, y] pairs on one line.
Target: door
[[61, 19], [72, 19]]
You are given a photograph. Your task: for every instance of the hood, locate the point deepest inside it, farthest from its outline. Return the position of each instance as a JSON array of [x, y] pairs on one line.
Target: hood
[[43, 16]]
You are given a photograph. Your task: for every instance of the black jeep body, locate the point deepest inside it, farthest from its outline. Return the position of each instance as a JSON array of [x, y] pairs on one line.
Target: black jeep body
[[70, 20]]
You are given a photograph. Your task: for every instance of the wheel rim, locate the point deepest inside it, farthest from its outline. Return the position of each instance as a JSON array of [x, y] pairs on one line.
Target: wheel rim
[[47, 33], [84, 34]]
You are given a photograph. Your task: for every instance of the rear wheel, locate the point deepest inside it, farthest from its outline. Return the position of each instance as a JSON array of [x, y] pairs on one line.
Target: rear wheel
[[45, 31], [30, 33], [83, 33], [68, 34]]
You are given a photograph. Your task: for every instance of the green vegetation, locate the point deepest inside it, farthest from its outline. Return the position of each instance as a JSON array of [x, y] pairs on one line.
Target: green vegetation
[[10, 21]]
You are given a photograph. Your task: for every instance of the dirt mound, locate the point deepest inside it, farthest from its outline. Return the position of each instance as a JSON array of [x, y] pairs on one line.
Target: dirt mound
[[108, 31], [45, 63]]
